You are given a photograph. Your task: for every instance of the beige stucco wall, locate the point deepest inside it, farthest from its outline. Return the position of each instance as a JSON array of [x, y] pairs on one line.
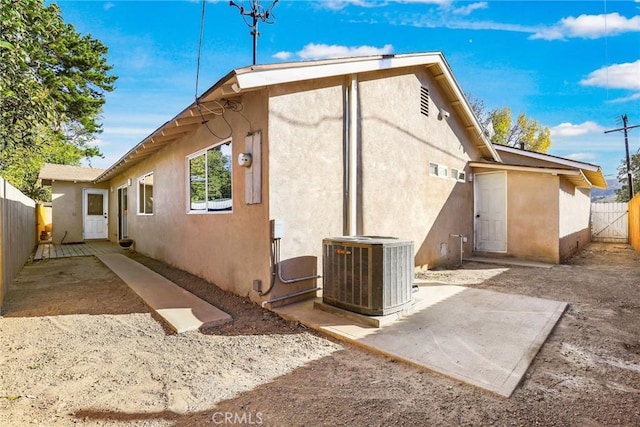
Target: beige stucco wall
[[67, 221], [399, 197], [532, 216], [228, 249], [306, 172], [575, 216], [396, 197]]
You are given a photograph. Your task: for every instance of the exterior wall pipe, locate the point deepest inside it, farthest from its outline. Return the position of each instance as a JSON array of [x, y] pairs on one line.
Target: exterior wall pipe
[[295, 294], [352, 150]]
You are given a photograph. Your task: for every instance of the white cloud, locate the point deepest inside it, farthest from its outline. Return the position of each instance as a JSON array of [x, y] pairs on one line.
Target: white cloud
[[470, 8], [109, 5], [623, 99], [282, 55], [618, 76], [589, 27], [341, 4], [571, 130], [582, 156], [324, 51]]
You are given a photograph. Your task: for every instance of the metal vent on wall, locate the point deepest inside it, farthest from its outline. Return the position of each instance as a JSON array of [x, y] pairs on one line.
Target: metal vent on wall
[[367, 275], [424, 101]]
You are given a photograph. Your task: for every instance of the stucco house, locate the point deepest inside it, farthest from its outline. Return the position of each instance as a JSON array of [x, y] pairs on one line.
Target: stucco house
[[79, 207], [248, 180], [538, 207]]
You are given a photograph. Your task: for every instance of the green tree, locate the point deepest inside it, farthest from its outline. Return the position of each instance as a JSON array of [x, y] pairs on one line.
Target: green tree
[[52, 89], [622, 193], [525, 132], [219, 174]]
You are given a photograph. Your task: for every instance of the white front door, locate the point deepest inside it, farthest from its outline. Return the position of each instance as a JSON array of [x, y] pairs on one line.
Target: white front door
[[491, 212], [95, 203]]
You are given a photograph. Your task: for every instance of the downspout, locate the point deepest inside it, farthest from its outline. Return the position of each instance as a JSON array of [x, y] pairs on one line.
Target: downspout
[[352, 156]]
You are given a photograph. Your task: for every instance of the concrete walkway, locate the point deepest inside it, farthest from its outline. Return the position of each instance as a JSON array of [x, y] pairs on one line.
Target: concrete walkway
[[479, 337], [182, 310]]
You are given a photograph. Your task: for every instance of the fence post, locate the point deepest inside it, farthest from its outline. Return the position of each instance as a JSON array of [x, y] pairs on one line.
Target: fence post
[[3, 193], [634, 222]]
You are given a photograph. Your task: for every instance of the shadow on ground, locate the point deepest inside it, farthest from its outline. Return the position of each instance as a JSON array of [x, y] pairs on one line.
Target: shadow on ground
[[63, 286]]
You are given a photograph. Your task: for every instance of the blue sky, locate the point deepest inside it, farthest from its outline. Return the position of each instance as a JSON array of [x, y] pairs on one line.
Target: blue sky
[[574, 66]]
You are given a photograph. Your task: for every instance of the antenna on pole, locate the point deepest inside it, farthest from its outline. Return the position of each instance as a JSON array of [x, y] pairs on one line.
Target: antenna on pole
[[625, 127], [257, 13]]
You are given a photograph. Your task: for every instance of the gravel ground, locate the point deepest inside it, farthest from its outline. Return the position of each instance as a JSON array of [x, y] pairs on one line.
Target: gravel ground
[[77, 347]]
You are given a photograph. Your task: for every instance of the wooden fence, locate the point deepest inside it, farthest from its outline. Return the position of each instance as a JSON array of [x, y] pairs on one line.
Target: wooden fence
[[634, 222], [17, 233]]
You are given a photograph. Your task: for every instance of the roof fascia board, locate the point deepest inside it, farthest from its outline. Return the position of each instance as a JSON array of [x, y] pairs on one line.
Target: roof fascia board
[[504, 166], [264, 77], [548, 158], [575, 175]]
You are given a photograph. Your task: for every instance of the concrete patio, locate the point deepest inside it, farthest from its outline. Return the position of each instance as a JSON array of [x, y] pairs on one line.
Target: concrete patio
[[484, 338]]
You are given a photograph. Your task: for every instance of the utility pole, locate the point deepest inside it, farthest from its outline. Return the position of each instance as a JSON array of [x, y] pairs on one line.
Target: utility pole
[[257, 13], [625, 127]]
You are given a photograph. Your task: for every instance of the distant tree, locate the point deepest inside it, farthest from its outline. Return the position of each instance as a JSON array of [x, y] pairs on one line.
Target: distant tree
[[52, 89], [498, 125], [622, 193]]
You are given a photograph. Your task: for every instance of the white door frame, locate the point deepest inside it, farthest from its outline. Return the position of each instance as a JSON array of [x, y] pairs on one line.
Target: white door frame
[[500, 246], [123, 212], [95, 226]]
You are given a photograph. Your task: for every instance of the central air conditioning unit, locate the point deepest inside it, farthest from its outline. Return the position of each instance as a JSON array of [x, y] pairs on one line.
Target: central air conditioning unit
[[367, 274]]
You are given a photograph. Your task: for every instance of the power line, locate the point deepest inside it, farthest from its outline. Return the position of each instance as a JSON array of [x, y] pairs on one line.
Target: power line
[[625, 127], [257, 13]]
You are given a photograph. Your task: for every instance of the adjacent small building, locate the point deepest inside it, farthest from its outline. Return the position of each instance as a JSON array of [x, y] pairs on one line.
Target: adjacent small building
[[242, 186], [79, 208]]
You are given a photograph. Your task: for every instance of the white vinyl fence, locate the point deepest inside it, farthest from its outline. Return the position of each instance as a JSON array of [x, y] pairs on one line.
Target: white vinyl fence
[[610, 222], [17, 233]]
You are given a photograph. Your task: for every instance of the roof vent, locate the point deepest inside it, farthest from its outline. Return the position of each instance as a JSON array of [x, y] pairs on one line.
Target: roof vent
[[424, 101]]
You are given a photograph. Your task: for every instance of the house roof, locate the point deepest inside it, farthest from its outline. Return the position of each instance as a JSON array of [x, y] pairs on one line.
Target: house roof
[[592, 173], [51, 172], [257, 77]]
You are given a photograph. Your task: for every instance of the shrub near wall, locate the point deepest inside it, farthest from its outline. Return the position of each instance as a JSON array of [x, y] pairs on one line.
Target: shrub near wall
[[634, 222]]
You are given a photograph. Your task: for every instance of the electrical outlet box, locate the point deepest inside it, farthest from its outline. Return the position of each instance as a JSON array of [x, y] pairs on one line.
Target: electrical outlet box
[[277, 229], [464, 239], [257, 285]]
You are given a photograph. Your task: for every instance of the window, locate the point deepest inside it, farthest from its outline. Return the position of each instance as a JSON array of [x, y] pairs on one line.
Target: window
[[436, 169], [209, 177], [458, 175], [145, 194]]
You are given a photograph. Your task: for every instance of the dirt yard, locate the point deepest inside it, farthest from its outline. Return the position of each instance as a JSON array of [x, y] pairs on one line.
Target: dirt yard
[[77, 347]]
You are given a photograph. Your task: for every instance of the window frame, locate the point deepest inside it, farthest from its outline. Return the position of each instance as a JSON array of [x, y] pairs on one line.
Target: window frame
[[140, 179], [188, 179]]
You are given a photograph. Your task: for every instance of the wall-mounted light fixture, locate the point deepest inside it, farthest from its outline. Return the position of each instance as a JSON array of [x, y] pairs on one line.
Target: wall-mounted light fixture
[[443, 114], [244, 160], [129, 182]]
